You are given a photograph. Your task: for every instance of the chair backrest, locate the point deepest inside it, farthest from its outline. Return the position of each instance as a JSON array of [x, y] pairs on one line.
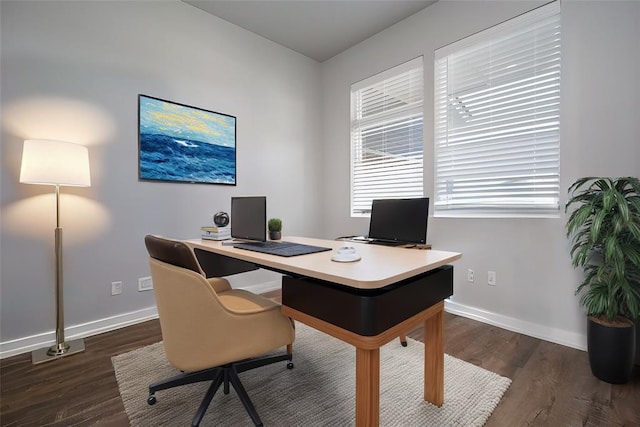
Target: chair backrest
[[188, 308], [172, 252]]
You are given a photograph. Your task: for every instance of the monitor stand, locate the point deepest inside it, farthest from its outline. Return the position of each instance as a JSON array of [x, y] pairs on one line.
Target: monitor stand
[[235, 241], [385, 242]]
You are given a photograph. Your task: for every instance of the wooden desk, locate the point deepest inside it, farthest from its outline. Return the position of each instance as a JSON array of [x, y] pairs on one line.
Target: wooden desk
[[412, 283]]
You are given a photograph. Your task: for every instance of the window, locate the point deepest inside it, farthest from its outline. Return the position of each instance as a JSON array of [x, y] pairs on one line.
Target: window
[[497, 119], [387, 136]]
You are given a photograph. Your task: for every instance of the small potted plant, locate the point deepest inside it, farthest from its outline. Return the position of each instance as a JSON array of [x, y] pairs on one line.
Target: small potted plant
[[275, 228], [605, 232]]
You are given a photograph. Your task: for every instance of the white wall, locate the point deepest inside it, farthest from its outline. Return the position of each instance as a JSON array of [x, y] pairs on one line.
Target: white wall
[[600, 135], [72, 71]]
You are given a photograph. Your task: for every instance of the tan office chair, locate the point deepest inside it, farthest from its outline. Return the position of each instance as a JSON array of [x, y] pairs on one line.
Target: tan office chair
[[210, 331]]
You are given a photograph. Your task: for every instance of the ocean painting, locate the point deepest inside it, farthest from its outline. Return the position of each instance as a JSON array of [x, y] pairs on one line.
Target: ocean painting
[[185, 144]]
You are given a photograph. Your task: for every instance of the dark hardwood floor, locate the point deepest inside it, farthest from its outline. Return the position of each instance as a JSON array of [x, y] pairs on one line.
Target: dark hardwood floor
[[552, 385]]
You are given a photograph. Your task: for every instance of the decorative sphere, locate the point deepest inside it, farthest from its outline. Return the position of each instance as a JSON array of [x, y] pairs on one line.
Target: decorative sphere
[[221, 219]]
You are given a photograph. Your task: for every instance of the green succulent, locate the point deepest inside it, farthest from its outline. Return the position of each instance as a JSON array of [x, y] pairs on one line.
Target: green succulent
[[275, 224]]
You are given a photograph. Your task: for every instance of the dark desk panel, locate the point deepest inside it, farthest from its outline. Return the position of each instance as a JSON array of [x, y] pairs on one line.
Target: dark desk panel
[[368, 312], [215, 265]]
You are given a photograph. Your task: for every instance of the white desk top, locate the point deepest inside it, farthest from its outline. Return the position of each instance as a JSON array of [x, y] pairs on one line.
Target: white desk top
[[380, 265]]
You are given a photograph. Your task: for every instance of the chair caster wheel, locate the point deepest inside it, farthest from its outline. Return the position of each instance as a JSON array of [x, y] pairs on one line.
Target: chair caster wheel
[[290, 365], [151, 400]]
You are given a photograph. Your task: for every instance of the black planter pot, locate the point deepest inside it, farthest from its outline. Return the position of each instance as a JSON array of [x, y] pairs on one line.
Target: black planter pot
[[275, 235], [638, 342], [611, 351]]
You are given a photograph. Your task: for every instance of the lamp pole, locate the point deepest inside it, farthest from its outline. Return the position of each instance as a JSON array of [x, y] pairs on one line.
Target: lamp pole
[[61, 347]]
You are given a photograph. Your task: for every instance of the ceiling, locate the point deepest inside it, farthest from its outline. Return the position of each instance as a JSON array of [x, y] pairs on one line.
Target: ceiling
[[319, 29]]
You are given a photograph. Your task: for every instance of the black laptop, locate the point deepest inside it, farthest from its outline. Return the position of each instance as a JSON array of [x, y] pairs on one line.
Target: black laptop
[[397, 222]]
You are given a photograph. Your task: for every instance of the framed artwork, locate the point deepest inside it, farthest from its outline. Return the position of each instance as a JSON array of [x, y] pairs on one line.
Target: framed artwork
[[179, 143]]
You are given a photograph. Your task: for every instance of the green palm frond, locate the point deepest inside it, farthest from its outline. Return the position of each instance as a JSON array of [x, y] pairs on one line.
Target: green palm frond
[[604, 229]]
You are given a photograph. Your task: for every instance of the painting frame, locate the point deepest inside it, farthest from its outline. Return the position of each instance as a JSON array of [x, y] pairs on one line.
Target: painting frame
[[180, 143]]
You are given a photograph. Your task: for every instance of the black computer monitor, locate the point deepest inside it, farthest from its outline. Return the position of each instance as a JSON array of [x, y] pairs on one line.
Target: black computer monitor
[[249, 218], [399, 220]]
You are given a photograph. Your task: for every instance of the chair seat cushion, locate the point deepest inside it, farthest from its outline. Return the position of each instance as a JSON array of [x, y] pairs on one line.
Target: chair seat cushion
[[241, 301]]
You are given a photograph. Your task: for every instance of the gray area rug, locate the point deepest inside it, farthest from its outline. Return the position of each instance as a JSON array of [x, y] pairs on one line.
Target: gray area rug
[[319, 391]]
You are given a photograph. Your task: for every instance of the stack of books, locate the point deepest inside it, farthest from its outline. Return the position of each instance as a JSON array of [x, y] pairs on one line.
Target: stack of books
[[215, 233]]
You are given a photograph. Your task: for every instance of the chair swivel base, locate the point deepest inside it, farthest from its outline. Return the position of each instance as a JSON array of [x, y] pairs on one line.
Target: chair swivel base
[[221, 375]]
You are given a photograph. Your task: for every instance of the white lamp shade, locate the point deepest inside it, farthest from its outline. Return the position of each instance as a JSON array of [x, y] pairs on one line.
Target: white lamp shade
[[46, 161]]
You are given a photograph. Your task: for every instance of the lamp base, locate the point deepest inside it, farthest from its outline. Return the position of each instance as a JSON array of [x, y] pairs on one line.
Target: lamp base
[[57, 351]]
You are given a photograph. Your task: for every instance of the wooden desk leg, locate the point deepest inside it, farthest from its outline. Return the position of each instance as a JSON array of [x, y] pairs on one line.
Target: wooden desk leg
[[403, 340], [367, 387], [434, 358]]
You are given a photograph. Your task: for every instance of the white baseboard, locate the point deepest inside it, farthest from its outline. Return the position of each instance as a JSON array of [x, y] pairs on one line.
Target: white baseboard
[[261, 288], [47, 339], [558, 336]]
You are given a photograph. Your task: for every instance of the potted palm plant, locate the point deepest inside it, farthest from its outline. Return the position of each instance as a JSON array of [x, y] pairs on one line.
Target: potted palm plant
[[275, 228], [605, 233]]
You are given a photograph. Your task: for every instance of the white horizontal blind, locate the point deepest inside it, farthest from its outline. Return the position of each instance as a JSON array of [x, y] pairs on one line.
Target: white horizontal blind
[[387, 136], [497, 119]]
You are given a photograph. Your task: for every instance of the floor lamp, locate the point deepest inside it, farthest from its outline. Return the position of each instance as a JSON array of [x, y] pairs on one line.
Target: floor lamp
[[57, 163]]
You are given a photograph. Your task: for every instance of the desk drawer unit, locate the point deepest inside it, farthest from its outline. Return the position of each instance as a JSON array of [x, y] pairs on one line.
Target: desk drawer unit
[[372, 311]]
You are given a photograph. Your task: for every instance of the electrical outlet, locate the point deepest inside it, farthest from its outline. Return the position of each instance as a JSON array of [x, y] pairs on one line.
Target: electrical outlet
[[470, 275], [145, 284], [116, 288], [491, 278]]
